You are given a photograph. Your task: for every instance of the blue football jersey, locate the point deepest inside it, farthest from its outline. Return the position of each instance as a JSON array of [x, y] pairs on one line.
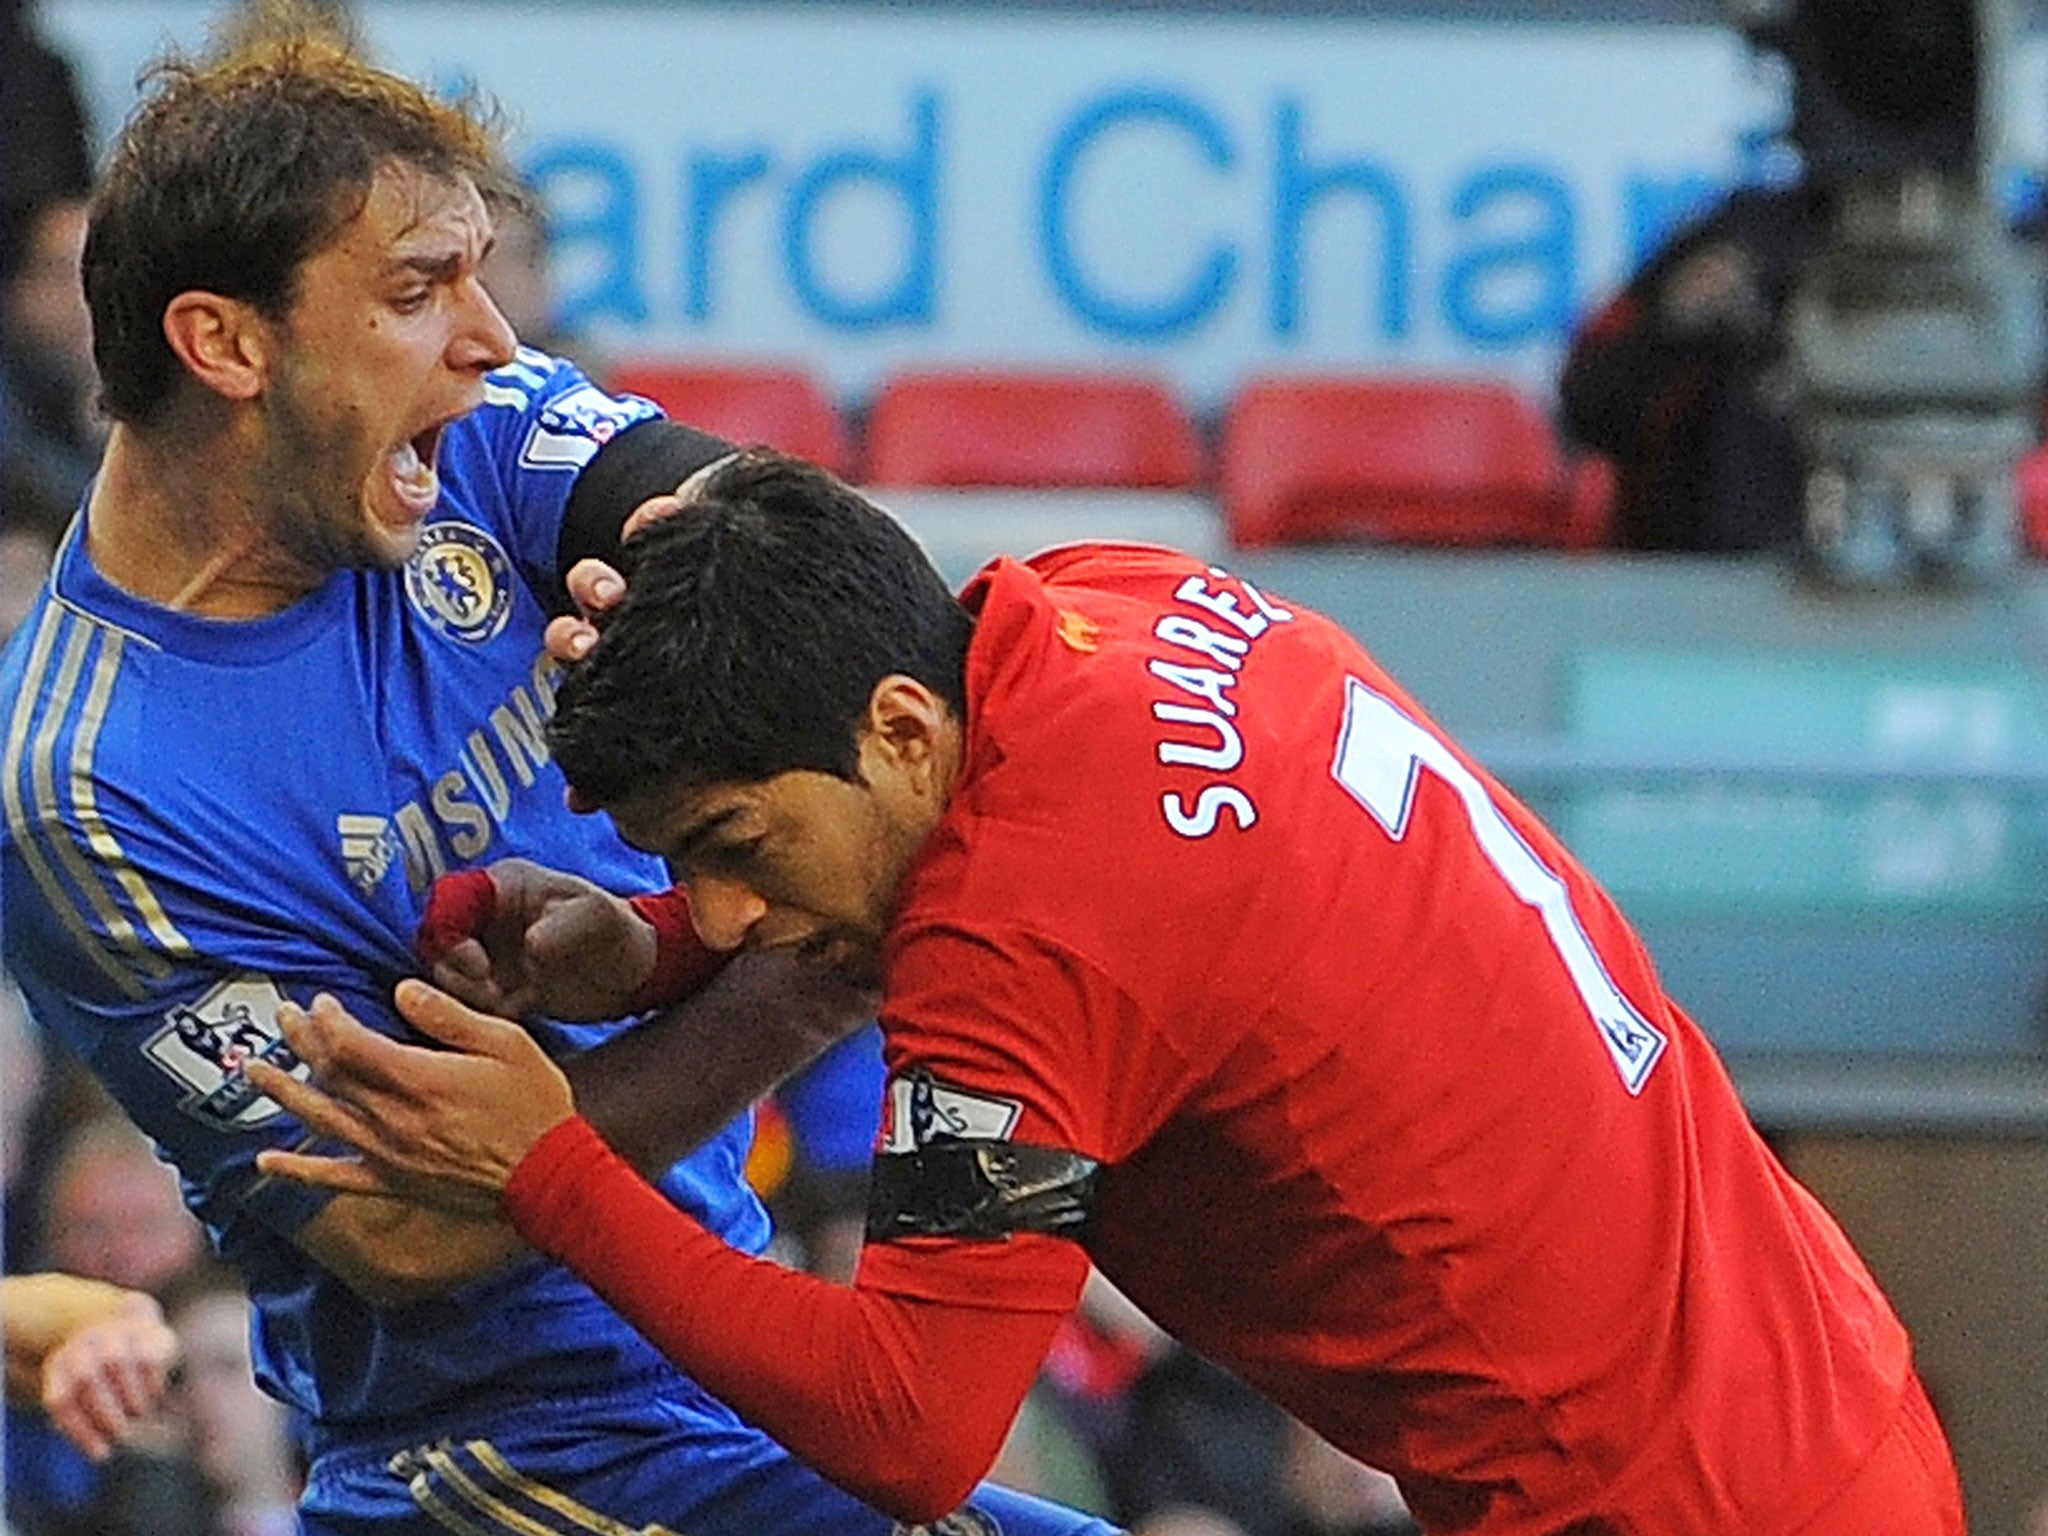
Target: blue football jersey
[[203, 818]]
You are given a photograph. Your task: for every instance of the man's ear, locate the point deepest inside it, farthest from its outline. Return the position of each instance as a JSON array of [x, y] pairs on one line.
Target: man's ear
[[224, 343], [905, 722]]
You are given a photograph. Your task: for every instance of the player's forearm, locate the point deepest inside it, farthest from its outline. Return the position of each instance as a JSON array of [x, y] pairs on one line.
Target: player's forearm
[[904, 1403], [39, 1312], [392, 1253], [660, 1090]]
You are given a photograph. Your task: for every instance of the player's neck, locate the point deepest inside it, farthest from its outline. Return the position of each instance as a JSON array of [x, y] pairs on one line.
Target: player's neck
[[952, 757], [176, 524]]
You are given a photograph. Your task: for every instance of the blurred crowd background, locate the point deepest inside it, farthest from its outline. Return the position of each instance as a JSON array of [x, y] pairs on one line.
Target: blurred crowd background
[[1643, 490]]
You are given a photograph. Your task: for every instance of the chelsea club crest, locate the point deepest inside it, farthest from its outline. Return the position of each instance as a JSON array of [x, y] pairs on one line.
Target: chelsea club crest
[[460, 581]]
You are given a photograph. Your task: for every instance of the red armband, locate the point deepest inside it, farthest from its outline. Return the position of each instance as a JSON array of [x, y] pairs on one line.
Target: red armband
[[681, 962]]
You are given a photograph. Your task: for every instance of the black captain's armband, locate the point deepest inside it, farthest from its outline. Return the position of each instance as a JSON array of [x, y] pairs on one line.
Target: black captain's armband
[[649, 458], [980, 1187]]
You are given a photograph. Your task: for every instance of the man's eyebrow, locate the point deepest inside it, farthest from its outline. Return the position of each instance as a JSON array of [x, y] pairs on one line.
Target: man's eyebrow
[[694, 838], [441, 267], [437, 268]]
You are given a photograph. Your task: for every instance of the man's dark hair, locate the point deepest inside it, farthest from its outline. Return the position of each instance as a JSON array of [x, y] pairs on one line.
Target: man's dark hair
[[756, 623], [239, 166]]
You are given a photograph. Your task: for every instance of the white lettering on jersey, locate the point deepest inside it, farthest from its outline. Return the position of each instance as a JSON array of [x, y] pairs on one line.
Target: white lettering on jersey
[[1225, 754], [1224, 604], [1210, 742], [1381, 753], [1224, 650], [1202, 682], [1209, 806]]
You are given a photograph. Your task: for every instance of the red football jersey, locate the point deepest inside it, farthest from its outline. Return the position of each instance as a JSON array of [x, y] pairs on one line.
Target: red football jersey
[[1398, 1121]]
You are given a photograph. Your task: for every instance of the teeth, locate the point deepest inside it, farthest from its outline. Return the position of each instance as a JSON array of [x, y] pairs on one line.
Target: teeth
[[417, 484]]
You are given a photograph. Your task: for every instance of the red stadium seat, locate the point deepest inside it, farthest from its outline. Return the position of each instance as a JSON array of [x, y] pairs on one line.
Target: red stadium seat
[[1437, 461], [984, 428], [2033, 495], [749, 403]]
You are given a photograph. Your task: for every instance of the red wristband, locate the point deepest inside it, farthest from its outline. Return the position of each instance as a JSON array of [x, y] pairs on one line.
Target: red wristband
[[681, 962], [459, 907]]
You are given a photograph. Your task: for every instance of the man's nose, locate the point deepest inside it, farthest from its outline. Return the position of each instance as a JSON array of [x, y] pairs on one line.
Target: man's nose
[[724, 911], [484, 339]]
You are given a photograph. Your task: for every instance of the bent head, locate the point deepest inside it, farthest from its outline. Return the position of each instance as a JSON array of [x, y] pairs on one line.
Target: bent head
[[777, 707], [288, 237]]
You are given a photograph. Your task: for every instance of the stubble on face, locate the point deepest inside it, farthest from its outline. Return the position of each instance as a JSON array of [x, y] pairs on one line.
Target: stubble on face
[[312, 486]]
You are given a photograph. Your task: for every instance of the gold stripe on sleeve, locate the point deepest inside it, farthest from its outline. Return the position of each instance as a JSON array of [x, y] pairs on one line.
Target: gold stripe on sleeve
[[493, 1461], [441, 1512], [504, 1516], [27, 833], [86, 800], [43, 772]]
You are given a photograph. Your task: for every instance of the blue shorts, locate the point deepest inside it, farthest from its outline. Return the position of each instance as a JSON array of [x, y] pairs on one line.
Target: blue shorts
[[651, 1462]]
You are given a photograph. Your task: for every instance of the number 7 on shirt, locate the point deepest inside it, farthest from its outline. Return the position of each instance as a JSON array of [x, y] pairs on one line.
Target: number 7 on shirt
[[1381, 753]]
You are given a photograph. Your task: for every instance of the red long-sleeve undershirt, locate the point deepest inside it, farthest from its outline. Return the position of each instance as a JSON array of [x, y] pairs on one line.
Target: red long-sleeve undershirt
[[903, 1402]]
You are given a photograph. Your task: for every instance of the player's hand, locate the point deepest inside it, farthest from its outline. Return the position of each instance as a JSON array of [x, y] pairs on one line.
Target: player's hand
[[596, 587], [107, 1379], [522, 941], [95, 1355], [442, 1128]]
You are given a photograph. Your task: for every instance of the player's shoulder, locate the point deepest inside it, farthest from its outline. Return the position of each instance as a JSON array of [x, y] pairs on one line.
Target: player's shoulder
[[1090, 628], [58, 689], [1084, 595], [1111, 565], [117, 728], [1151, 576], [541, 413]]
